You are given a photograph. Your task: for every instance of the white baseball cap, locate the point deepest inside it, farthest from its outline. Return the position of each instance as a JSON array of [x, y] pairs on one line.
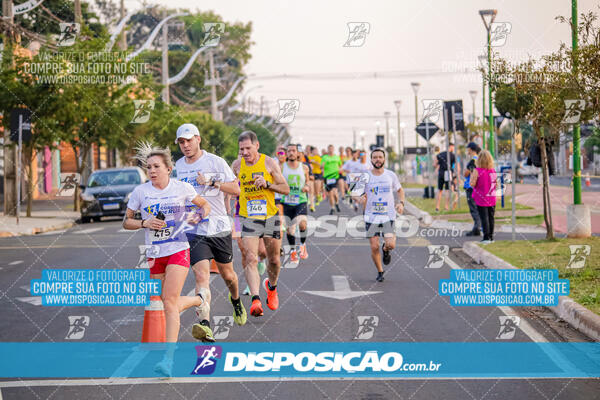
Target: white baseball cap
[[187, 131]]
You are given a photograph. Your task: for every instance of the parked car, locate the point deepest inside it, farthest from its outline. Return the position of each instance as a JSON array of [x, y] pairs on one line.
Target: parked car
[[107, 192], [527, 170]]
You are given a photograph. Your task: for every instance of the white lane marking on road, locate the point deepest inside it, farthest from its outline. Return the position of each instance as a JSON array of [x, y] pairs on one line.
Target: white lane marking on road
[[34, 300], [60, 232], [89, 230], [123, 230], [15, 263], [341, 290], [145, 381]]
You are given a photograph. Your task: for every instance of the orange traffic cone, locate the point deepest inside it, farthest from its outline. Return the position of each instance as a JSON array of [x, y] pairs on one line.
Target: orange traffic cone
[[213, 267], [154, 330], [588, 182]]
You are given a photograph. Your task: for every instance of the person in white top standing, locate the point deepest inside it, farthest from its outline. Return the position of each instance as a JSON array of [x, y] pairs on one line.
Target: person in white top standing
[[211, 176], [162, 203], [381, 208]]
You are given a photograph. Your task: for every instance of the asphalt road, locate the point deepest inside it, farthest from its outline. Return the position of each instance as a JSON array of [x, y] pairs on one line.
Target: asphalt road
[[407, 306]]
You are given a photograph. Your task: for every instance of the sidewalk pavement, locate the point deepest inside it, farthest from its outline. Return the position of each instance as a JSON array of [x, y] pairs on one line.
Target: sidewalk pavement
[[560, 198], [47, 215]]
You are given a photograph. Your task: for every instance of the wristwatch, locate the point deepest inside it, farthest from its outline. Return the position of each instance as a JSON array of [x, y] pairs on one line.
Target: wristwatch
[[268, 184]]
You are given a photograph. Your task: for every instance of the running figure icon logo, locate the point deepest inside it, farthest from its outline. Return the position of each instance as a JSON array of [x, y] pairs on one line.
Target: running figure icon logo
[[221, 326], [142, 111], [145, 252], [432, 110], [366, 326], [287, 110], [207, 359], [508, 326], [357, 183], [68, 32], [212, 33], [499, 33], [573, 110], [77, 325], [68, 182], [357, 34], [579, 253], [437, 255]]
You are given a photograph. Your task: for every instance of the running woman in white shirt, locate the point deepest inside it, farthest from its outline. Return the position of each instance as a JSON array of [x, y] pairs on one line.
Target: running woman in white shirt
[[381, 208], [212, 177], [162, 202]]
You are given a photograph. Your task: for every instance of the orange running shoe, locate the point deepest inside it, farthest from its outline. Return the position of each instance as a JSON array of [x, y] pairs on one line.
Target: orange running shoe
[[256, 309], [303, 252], [294, 256], [272, 297]]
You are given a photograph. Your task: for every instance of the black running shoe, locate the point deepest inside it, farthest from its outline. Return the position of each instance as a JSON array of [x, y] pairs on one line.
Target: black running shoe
[[387, 257], [331, 211], [337, 207], [379, 277]]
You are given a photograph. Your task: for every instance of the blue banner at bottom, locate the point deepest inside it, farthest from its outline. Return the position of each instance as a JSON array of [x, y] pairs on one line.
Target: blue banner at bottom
[[300, 359]]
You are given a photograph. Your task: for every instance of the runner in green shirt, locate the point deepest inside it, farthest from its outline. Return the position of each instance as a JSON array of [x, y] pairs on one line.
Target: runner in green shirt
[[331, 172]]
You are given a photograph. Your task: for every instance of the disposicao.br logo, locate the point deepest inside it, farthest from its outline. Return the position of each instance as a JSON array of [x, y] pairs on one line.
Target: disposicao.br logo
[[207, 359]]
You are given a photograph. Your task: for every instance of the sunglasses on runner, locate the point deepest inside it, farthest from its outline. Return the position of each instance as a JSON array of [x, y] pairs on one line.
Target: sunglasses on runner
[[281, 153]]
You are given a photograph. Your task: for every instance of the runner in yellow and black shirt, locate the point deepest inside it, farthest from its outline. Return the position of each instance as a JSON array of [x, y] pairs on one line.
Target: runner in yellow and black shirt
[[260, 178]]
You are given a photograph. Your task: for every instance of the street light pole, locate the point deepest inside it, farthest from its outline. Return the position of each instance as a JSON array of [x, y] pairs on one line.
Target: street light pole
[[491, 14], [473, 94], [576, 128], [482, 61], [165, 64], [362, 139], [415, 87], [398, 104], [387, 129]]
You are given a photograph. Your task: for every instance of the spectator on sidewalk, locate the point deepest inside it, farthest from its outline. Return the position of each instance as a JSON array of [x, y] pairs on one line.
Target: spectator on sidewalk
[[483, 182], [441, 163], [472, 150]]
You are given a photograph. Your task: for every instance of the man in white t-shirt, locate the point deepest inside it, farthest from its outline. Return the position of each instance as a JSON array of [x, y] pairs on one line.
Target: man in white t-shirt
[[211, 177], [381, 208]]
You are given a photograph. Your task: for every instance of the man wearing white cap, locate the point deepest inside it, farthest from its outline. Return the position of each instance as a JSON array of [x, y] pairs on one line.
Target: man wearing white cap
[[211, 238]]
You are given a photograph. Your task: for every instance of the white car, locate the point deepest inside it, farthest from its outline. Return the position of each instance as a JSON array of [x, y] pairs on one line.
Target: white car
[[527, 170]]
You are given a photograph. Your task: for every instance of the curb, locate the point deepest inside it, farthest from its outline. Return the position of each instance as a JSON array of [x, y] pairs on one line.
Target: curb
[[35, 231], [421, 215], [572, 312]]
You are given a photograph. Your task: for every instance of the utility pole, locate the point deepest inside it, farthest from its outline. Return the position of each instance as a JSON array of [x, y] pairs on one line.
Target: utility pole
[[165, 64], [78, 17], [10, 152], [123, 38], [213, 86], [262, 102], [387, 129]]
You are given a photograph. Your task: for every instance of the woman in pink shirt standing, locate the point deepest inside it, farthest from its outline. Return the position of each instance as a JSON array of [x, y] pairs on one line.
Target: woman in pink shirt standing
[[483, 182]]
